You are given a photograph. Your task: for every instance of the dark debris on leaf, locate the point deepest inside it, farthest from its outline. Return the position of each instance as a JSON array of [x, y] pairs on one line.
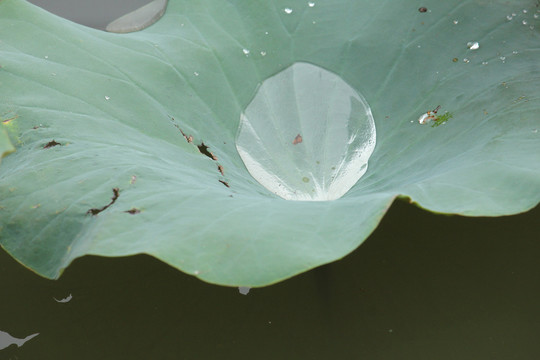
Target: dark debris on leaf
[[7, 121], [133, 211], [188, 138], [50, 144], [204, 150], [225, 183], [95, 211], [422, 9]]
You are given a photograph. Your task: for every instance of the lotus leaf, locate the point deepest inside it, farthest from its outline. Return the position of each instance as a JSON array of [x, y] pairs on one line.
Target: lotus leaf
[[126, 143]]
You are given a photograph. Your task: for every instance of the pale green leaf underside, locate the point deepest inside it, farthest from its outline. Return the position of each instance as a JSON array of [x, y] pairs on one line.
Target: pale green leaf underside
[[108, 99]]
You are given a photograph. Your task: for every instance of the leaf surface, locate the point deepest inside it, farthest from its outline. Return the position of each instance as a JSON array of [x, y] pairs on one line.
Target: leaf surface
[[118, 134]]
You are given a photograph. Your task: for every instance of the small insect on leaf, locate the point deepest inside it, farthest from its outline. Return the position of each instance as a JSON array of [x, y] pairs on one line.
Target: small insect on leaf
[[429, 116], [297, 139]]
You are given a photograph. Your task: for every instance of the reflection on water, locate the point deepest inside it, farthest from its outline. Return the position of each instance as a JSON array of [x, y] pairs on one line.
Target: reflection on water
[[7, 340]]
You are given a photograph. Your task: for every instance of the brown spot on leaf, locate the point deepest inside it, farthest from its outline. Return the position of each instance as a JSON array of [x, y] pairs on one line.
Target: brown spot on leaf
[[225, 183], [7, 121], [204, 150], [133, 211], [188, 138], [422, 9], [220, 169], [50, 144], [95, 211], [297, 139]]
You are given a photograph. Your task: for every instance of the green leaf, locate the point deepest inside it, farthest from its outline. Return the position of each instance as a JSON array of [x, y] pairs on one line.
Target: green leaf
[[103, 165], [5, 145]]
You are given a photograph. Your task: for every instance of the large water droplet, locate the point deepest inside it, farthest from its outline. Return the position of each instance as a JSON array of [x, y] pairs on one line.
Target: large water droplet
[[306, 135]]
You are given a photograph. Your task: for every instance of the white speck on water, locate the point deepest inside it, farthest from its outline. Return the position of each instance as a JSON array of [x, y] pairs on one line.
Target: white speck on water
[[288, 10], [514, 52], [418, 46], [313, 22], [536, 16], [196, 272], [509, 17], [245, 51], [514, 14], [455, 22], [466, 61], [263, 53], [244, 290], [502, 58], [531, 27], [524, 22], [195, 73], [266, 33], [311, 4], [46, 56], [107, 97], [53, 74], [6, 340], [484, 62], [64, 300], [524, 11], [473, 45], [535, 131]]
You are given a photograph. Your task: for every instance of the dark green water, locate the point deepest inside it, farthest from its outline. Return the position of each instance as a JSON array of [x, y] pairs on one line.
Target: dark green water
[[423, 286]]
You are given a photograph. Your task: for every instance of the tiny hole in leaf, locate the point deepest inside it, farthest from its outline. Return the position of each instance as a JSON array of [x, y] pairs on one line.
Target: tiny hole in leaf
[[204, 150], [50, 144]]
